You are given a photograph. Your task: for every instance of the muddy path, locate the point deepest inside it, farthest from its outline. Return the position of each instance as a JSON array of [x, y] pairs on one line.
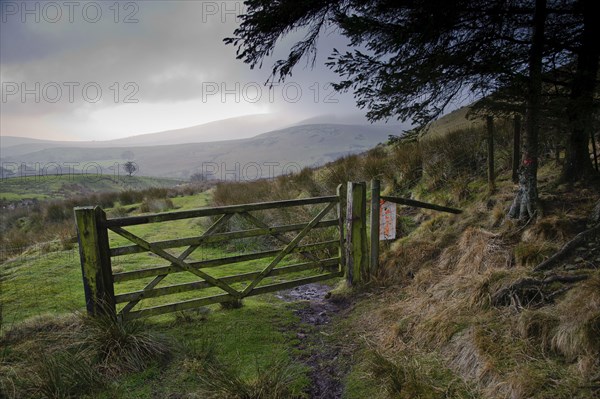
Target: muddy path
[[319, 351]]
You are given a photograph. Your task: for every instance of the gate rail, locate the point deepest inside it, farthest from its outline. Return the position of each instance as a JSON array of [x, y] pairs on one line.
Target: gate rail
[[99, 277]]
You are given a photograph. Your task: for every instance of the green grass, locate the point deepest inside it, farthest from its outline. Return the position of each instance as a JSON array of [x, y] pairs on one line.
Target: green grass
[[248, 341], [38, 283], [65, 186], [51, 282]]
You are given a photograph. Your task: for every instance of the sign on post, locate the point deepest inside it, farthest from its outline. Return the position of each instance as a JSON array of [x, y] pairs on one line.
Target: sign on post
[[387, 220]]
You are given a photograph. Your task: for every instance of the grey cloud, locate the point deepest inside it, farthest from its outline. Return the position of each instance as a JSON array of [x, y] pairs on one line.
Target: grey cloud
[[171, 54]]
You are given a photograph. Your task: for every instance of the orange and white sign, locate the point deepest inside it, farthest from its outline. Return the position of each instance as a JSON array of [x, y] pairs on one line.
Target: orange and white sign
[[387, 220]]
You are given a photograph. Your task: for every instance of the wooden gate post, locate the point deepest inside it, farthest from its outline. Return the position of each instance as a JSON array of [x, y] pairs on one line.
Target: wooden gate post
[[357, 256], [375, 205], [490, 143], [341, 213], [94, 252]]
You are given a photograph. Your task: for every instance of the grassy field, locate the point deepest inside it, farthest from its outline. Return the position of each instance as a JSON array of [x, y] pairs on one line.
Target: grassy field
[[248, 339], [65, 186]]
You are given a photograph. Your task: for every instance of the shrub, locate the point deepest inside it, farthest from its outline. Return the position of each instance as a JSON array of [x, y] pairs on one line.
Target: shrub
[[156, 192], [67, 235], [375, 164], [457, 153], [303, 181], [129, 197], [341, 171], [107, 200], [119, 211], [56, 212], [232, 193], [407, 163], [156, 205]]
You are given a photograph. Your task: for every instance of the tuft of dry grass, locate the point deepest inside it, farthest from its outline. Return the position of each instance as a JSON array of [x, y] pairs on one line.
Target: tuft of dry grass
[[72, 356], [120, 346], [477, 251], [550, 229], [223, 381], [538, 326], [64, 374], [407, 161], [531, 253], [416, 375], [41, 326], [578, 333]]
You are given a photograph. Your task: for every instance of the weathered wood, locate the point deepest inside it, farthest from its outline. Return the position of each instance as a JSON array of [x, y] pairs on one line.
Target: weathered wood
[[490, 143], [220, 237], [194, 303], [194, 213], [215, 226], [325, 264], [178, 306], [289, 248], [154, 271], [374, 259], [165, 255], [516, 158], [419, 204], [341, 212], [357, 256], [95, 260], [178, 264]]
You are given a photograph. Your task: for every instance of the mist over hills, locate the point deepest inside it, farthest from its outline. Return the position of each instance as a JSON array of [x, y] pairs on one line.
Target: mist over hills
[[273, 153], [232, 128]]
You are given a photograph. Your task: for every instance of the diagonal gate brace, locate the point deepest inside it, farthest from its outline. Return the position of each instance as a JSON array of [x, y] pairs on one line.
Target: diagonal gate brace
[[178, 262], [289, 248], [215, 226], [260, 224]]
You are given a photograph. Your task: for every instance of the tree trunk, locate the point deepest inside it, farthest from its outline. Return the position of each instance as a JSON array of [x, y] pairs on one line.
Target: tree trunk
[[524, 205], [594, 151], [516, 160], [578, 164]]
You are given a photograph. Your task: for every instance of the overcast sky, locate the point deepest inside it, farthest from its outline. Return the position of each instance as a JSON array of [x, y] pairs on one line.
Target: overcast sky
[[102, 70]]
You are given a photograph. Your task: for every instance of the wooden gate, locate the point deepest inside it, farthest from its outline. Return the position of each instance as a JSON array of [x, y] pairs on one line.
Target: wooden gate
[[98, 250]]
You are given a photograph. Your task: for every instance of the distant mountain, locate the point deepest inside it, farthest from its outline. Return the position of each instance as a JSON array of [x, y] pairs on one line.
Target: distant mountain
[[272, 153], [227, 129]]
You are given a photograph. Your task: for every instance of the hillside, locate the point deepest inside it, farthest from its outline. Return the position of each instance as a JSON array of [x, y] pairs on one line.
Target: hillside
[[458, 308], [294, 147], [232, 128], [453, 121], [66, 186]]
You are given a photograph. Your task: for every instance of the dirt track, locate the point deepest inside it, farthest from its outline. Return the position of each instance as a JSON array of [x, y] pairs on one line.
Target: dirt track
[[323, 357]]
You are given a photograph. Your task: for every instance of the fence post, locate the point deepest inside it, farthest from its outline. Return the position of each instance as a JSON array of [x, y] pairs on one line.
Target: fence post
[[516, 159], [341, 213], [375, 205], [490, 143], [94, 253], [357, 256]]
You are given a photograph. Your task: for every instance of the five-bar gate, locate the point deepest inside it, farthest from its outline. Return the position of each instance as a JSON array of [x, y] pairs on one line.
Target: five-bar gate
[[97, 255]]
